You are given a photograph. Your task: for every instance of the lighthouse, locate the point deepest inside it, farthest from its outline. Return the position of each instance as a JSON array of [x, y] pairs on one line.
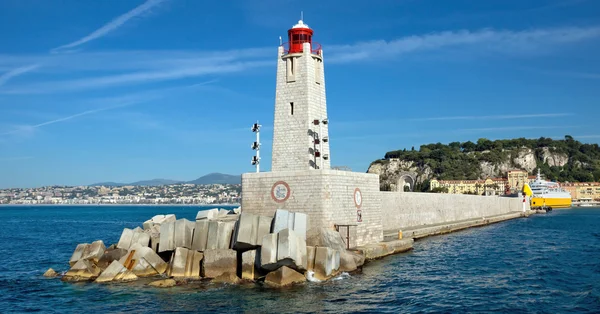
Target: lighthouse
[[301, 178], [300, 130]]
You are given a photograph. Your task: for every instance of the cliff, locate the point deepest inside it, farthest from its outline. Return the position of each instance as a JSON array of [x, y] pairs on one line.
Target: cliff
[[564, 160]]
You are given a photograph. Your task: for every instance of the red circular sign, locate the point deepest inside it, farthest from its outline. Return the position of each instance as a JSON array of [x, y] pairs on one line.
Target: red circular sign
[[357, 198], [280, 191]]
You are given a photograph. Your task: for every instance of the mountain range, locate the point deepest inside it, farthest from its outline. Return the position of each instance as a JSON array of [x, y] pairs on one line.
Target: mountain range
[[211, 178]]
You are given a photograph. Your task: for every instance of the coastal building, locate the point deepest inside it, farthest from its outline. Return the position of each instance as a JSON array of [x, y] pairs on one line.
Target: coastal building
[[583, 191], [517, 179], [490, 186]]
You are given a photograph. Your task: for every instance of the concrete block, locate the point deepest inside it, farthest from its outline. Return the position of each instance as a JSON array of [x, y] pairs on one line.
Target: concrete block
[[78, 253], [140, 237], [167, 237], [125, 240], [83, 270], [264, 228], [268, 252], [154, 234], [143, 261], [246, 232], [237, 210], [213, 233], [109, 256], [158, 220], [310, 257], [299, 224], [116, 272], [178, 262], [250, 265], [199, 240], [94, 251], [323, 266], [223, 213], [225, 231], [291, 250], [281, 220], [288, 220], [209, 214], [284, 276], [183, 233], [219, 262]]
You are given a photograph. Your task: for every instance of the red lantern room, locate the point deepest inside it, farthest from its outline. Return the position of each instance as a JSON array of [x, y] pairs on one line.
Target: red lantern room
[[298, 35]]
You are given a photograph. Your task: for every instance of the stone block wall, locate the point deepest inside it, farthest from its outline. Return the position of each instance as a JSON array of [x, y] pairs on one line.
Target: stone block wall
[[326, 196], [403, 210]]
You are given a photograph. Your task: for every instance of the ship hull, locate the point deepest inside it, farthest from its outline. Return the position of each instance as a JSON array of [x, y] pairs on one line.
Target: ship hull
[[538, 202]]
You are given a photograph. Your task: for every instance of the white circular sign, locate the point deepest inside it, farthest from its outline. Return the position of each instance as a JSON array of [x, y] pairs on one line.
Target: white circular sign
[[357, 198]]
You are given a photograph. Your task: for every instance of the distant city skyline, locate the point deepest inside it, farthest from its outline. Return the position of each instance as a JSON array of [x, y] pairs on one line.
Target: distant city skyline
[[94, 91]]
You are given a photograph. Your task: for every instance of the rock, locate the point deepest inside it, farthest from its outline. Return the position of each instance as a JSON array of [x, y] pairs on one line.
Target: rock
[[116, 272], [283, 249], [250, 231], [284, 276], [208, 214], [164, 283], [250, 265], [185, 263], [326, 237], [218, 262], [158, 220], [109, 256], [290, 220], [78, 253], [200, 238], [83, 270], [184, 230], [50, 273], [227, 278], [143, 261], [359, 259], [167, 237]]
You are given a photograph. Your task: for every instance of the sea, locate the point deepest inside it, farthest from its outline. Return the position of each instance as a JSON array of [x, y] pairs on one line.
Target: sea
[[547, 263]]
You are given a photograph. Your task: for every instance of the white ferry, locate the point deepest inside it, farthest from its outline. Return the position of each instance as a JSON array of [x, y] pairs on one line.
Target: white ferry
[[546, 194]]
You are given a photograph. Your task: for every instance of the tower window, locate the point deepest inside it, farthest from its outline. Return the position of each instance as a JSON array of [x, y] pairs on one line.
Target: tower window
[[292, 108]]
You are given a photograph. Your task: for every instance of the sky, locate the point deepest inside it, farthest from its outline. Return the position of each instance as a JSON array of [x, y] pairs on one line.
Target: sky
[[94, 91]]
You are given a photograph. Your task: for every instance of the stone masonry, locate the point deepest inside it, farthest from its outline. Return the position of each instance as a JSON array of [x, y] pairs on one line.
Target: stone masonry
[[300, 181], [299, 100]]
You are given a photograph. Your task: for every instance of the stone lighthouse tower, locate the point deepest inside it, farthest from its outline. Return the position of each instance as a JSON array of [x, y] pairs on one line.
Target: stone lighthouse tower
[[301, 179], [300, 137]]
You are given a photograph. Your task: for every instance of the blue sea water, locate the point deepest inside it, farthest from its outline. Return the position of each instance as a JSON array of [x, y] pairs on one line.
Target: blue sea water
[[542, 264]]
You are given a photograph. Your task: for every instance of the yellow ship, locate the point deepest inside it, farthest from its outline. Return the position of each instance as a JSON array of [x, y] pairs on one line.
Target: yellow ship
[[546, 194]]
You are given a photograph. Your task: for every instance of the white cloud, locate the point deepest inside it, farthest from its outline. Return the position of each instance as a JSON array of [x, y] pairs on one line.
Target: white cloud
[[112, 25], [525, 41], [497, 117], [16, 72]]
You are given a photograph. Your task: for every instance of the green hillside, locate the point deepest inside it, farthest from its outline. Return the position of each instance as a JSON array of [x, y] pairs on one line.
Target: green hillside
[[578, 162]]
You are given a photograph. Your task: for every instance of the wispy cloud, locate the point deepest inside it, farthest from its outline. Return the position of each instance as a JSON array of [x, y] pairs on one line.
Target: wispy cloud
[[508, 41], [512, 128], [112, 25], [496, 117], [16, 72]]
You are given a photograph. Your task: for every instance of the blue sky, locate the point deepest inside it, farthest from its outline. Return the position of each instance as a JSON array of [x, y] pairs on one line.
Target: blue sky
[[128, 90]]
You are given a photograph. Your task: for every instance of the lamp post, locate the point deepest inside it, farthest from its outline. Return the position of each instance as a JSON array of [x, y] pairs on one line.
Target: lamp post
[[256, 146]]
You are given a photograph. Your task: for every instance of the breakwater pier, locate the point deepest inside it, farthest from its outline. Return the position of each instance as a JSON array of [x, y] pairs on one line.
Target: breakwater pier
[[510, 266]]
